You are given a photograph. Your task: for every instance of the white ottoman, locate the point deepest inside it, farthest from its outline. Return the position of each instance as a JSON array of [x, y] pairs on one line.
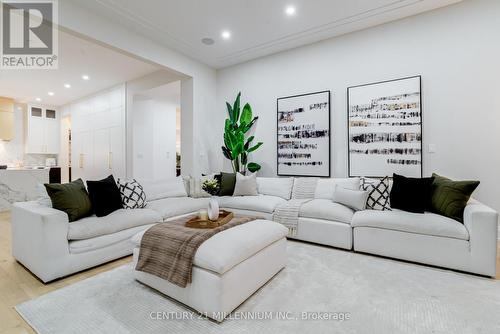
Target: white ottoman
[[228, 268]]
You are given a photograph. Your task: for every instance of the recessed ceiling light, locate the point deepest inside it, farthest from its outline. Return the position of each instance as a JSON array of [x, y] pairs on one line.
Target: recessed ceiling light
[[51, 93], [208, 41], [19, 108], [67, 86], [85, 77], [290, 10], [38, 99], [226, 34]]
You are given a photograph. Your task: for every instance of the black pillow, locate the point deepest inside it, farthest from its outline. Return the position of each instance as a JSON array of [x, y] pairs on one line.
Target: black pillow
[[411, 194], [104, 196]]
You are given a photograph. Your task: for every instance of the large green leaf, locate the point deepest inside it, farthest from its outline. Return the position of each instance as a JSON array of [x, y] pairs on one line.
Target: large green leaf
[[253, 167], [238, 149], [227, 153], [236, 109], [246, 114], [249, 140], [230, 112], [251, 149]]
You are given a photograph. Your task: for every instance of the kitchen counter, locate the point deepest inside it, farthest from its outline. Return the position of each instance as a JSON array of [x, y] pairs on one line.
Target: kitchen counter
[[20, 184]]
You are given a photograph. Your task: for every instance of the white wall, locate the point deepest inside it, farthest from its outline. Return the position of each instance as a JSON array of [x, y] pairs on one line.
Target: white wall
[[456, 51], [154, 139]]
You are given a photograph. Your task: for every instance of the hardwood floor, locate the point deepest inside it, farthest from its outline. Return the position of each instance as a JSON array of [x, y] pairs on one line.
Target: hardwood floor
[[18, 285]]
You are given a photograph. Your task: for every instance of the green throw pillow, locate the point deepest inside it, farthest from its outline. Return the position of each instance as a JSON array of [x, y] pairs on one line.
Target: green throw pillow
[[227, 183], [449, 198], [71, 198]]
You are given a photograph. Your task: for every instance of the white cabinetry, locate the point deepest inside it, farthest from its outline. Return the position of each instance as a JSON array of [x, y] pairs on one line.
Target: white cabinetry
[[98, 135], [42, 136]]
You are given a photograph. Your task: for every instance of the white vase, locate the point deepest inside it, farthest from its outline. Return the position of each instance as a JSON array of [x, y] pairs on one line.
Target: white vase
[[213, 209]]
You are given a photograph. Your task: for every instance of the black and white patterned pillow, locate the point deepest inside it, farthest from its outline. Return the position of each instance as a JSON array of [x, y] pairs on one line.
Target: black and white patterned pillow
[[133, 195], [379, 196]]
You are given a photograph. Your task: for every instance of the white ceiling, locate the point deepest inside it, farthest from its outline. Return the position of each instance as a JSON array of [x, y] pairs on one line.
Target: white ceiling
[[258, 27], [77, 56]]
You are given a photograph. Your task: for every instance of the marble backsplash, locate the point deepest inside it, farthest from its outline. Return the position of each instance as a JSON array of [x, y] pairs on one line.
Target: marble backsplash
[[20, 186]]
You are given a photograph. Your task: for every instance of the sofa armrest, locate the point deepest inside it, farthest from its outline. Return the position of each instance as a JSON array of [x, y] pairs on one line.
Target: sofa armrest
[[482, 224], [39, 233]]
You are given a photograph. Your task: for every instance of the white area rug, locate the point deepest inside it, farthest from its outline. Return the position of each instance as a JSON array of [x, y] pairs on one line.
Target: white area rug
[[381, 296]]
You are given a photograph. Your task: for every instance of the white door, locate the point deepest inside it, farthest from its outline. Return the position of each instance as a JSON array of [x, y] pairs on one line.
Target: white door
[[102, 158], [117, 152], [35, 138], [82, 155], [52, 136]]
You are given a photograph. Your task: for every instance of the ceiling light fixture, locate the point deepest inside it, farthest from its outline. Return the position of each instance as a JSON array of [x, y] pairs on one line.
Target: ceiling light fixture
[[50, 93], [226, 34], [85, 77], [67, 86], [207, 41], [290, 10], [38, 99]]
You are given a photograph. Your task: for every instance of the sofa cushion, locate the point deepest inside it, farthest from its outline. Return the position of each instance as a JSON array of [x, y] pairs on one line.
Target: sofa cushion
[[177, 206], [326, 187], [229, 248], [426, 223], [165, 188], [275, 186], [92, 244], [327, 210], [259, 203], [119, 220]]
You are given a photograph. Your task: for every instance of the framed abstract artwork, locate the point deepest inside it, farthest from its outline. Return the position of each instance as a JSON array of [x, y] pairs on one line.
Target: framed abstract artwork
[[385, 128], [303, 135]]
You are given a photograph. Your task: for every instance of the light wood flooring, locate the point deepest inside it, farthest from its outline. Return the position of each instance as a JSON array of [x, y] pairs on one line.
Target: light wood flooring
[[18, 285]]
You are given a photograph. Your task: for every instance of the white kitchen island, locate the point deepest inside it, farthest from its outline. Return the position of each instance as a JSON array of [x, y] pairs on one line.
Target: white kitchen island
[[20, 184]]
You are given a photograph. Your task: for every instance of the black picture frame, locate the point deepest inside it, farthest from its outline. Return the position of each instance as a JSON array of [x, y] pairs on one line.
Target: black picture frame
[[329, 133], [421, 125]]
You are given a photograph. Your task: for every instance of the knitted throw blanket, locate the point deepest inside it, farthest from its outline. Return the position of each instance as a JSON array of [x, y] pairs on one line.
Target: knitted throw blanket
[[288, 213]]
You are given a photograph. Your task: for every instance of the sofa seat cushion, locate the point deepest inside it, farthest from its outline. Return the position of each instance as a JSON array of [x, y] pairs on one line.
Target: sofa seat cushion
[[260, 203], [327, 210], [119, 220], [230, 247], [177, 206], [93, 244], [420, 223]]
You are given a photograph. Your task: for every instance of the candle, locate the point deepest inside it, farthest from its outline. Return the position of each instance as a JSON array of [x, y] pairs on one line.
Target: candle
[[203, 214]]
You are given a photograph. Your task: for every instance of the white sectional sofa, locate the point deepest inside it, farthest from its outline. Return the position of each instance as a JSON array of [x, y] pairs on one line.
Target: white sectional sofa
[[48, 245], [51, 247]]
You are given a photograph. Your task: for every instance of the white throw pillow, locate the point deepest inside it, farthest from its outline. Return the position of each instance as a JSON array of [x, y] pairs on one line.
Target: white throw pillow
[[245, 185], [326, 187], [158, 189], [354, 199], [196, 186], [42, 196], [132, 193], [275, 186]]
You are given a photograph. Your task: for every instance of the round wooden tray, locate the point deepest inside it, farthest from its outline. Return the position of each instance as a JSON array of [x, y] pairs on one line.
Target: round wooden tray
[[224, 218]]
